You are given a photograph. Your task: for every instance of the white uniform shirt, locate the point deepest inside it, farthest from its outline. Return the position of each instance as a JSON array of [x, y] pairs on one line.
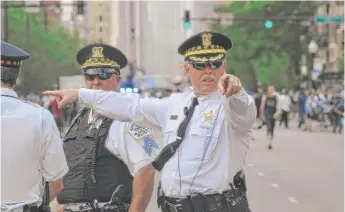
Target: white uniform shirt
[[223, 125], [31, 148], [132, 144]]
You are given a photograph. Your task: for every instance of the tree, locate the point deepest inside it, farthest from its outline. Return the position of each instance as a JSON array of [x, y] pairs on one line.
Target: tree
[[52, 52], [265, 55]]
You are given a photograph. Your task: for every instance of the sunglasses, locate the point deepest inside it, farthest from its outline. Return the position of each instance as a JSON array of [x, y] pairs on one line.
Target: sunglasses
[[202, 66], [102, 76]]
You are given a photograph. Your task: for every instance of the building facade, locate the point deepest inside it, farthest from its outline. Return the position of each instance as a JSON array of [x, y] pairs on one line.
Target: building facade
[[148, 32], [331, 35]]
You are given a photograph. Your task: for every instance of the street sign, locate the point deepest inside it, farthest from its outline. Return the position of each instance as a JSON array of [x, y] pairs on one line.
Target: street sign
[[321, 19], [32, 6], [333, 19], [336, 19]]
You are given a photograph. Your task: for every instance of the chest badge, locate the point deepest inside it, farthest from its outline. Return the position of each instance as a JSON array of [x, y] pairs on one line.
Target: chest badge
[[208, 117]]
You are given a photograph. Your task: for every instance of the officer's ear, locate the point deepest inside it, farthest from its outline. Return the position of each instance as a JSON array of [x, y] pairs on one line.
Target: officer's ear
[[224, 63], [118, 78], [186, 68]]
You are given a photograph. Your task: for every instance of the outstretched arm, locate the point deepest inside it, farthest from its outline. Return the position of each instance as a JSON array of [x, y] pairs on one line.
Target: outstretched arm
[[117, 106]]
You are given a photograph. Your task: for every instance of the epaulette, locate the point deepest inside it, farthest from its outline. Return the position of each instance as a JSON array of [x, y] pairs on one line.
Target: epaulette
[[33, 104]]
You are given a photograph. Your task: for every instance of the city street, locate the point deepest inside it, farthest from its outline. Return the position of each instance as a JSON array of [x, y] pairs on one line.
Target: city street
[[304, 172]]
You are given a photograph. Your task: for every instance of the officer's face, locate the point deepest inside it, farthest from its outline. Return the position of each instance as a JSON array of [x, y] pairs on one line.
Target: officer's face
[[110, 84], [205, 79]]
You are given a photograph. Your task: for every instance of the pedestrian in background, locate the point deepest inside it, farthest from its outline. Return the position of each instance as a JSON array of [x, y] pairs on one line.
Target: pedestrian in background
[[270, 112]]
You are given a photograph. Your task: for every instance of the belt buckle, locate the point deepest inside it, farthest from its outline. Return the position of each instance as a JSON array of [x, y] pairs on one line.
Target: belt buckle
[[216, 202], [176, 208]]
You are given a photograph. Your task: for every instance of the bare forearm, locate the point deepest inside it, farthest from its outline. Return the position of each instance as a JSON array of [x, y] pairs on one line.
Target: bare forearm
[[55, 188], [142, 189]]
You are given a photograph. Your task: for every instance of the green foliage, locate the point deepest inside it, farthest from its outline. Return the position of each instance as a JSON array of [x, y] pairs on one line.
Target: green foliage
[[52, 52], [266, 55]]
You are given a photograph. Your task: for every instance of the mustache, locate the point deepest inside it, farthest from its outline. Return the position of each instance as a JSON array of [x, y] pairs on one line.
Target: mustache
[[208, 77]]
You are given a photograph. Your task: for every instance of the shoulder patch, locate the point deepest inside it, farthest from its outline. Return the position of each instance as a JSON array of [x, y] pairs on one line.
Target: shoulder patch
[[138, 132], [150, 146]]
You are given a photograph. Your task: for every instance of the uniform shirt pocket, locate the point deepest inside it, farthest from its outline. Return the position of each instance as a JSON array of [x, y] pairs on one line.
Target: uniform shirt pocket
[[204, 133], [202, 141]]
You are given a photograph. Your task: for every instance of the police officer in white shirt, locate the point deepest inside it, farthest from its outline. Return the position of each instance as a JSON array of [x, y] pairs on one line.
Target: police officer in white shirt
[[202, 162], [106, 155], [31, 147]]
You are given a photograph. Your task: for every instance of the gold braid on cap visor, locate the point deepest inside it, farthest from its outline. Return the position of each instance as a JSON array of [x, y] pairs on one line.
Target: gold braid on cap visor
[[98, 62], [198, 50]]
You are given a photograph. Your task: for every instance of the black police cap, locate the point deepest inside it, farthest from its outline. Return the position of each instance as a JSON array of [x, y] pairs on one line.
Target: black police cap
[[101, 55], [12, 56], [205, 46]]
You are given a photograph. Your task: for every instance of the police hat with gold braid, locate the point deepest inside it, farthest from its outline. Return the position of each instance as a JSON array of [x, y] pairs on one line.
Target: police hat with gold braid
[[206, 46], [12, 56], [101, 55]]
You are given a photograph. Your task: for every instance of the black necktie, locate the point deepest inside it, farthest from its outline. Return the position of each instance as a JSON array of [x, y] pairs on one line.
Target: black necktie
[[181, 130], [169, 150]]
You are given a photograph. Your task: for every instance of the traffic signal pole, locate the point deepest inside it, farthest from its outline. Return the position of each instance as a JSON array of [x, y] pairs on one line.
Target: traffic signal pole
[[4, 20], [256, 18]]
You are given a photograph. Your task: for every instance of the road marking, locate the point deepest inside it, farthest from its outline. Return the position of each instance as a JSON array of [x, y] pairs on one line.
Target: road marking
[[250, 164], [260, 174], [292, 200], [274, 185]]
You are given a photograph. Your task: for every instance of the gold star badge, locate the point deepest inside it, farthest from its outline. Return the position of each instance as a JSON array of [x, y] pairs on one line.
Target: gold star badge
[[208, 117]]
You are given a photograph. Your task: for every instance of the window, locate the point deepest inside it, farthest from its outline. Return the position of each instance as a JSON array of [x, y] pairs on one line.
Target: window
[[100, 18], [100, 29]]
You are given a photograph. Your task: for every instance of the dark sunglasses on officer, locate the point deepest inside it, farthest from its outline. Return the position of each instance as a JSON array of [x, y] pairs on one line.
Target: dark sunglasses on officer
[[200, 66], [101, 73]]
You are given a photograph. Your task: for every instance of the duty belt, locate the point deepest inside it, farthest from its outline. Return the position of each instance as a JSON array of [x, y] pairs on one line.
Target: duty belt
[[234, 200], [100, 207]]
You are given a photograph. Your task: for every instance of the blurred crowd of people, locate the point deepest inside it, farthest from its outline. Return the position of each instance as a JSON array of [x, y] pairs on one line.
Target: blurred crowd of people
[[63, 117], [325, 107]]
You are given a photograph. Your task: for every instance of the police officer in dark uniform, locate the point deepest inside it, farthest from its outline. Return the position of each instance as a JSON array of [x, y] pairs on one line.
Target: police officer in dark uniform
[[106, 156]]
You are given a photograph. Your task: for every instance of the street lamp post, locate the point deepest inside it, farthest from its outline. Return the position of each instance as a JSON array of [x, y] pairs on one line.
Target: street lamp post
[[312, 49]]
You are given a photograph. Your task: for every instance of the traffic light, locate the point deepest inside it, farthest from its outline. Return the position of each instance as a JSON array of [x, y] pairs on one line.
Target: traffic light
[[187, 24], [80, 7], [268, 24]]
